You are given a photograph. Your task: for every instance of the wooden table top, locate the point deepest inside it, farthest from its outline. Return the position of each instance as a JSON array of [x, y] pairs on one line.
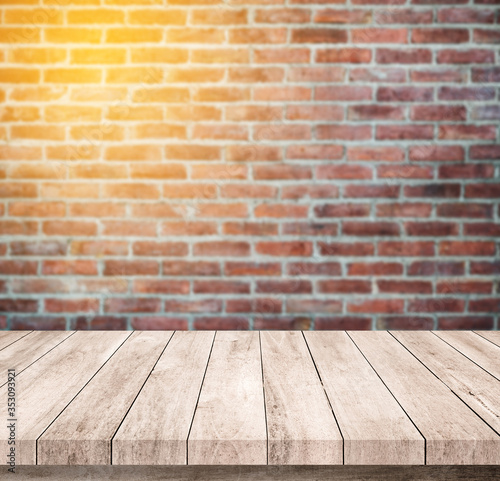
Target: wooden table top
[[253, 398]]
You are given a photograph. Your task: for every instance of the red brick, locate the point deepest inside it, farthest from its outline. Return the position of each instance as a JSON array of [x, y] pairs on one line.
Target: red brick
[[366, 191], [465, 15], [346, 249], [18, 305], [222, 248], [220, 287], [454, 287], [405, 323], [154, 249], [284, 249], [104, 323], [39, 323], [155, 286], [284, 287], [436, 304], [487, 229], [433, 190], [221, 323], [190, 268], [465, 56], [71, 305], [350, 323], [69, 268], [467, 132], [484, 305], [342, 210], [481, 211], [436, 268], [439, 74], [252, 269], [313, 306], [438, 113], [404, 172], [385, 154], [314, 269], [159, 323], [250, 228], [375, 112], [38, 248], [482, 190], [485, 268], [18, 268], [405, 94], [370, 228], [318, 35], [402, 286], [403, 56], [132, 305], [266, 305], [404, 210], [472, 171], [467, 248], [374, 269], [345, 286], [130, 268], [465, 322], [407, 249], [440, 35], [325, 172], [309, 191], [344, 55]]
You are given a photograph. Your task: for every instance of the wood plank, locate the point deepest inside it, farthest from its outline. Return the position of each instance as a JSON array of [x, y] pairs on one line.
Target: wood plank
[[492, 336], [474, 386], [257, 473], [453, 433], [83, 431], [300, 423], [45, 389], [476, 348], [156, 432], [29, 349], [375, 428], [229, 425], [8, 337]]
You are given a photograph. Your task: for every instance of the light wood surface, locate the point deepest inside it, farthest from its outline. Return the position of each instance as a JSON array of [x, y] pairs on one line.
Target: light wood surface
[[82, 433], [308, 433], [242, 398], [156, 429], [375, 428], [229, 425], [453, 433], [476, 348], [49, 385], [8, 337], [28, 349]]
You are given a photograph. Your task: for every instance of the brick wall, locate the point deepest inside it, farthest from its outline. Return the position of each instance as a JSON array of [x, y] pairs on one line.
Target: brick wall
[[255, 164]]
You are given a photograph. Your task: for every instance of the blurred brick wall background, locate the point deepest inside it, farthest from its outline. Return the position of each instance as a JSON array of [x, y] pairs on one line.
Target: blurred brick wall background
[[249, 164]]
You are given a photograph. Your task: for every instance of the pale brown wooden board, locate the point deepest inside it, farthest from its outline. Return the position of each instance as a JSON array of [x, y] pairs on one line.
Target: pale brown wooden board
[[474, 386], [8, 337], [492, 336], [376, 430], [229, 425], [47, 386], [300, 423], [454, 433], [82, 433], [476, 348], [156, 428], [20, 354]]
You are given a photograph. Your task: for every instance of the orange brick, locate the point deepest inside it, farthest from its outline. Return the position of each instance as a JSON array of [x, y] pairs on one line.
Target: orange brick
[[97, 171], [29, 34], [19, 75], [129, 35], [37, 209], [97, 15], [73, 35], [190, 191], [63, 190], [195, 35], [226, 55], [158, 171], [73, 152], [131, 191], [39, 132], [19, 114], [37, 55], [133, 152], [34, 16], [157, 17], [97, 132], [38, 94], [161, 94], [14, 227], [98, 55], [159, 54], [46, 170], [220, 132], [194, 75], [69, 227], [219, 16], [257, 35], [97, 209], [192, 152], [18, 189], [99, 94], [125, 112], [222, 94], [219, 171], [159, 131], [72, 75], [66, 113], [10, 152], [193, 112], [136, 75]]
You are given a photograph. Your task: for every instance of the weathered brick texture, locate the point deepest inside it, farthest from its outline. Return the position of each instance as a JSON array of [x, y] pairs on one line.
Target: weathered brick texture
[[249, 164]]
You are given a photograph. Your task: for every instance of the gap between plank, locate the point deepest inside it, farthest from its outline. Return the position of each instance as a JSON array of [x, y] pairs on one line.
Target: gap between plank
[[198, 398], [85, 385], [264, 395], [448, 387], [132, 403], [326, 395], [13, 342], [411, 420]]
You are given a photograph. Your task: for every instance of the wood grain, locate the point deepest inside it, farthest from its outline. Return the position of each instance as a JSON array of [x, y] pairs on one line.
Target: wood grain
[[82, 433], [8, 337], [301, 426], [20, 354], [477, 388], [492, 336], [229, 425], [156, 429], [48, 385], [454, 434], [476, 348], [375, 428]]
